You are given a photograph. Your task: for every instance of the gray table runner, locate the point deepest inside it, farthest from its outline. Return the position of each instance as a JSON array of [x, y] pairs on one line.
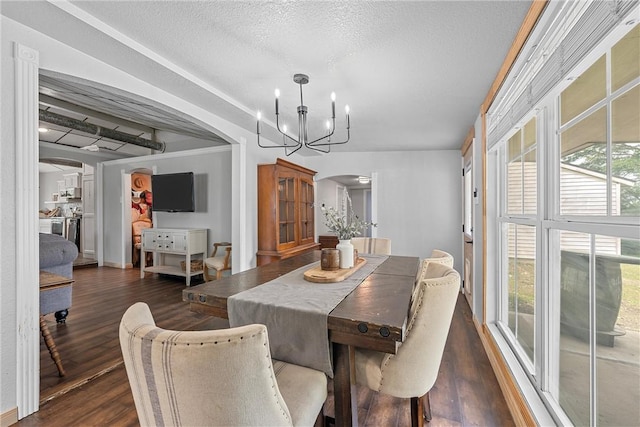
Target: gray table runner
[[295, 312]]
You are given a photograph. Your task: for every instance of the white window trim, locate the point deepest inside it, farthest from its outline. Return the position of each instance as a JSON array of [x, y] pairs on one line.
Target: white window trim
[[549, 223]]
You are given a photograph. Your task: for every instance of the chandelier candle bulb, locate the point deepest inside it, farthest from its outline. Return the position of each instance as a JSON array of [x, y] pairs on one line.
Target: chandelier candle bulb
[[277, 96], [346, 110], [258, 123], [333, 105]]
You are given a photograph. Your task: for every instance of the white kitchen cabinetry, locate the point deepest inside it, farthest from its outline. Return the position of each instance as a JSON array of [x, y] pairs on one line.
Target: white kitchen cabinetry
[[72, 180], [187, 243], [88, 224]]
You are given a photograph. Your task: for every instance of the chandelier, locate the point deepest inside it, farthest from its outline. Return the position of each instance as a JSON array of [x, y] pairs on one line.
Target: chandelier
[[292, 143]]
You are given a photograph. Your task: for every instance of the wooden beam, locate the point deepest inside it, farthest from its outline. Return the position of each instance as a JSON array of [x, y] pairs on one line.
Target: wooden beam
[[468, 140], [517, 405]]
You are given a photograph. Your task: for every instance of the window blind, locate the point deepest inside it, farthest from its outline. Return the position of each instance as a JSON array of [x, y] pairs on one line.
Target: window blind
[[597, 19]]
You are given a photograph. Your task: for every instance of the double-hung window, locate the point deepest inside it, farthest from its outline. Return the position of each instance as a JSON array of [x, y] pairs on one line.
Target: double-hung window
[[567, 233]]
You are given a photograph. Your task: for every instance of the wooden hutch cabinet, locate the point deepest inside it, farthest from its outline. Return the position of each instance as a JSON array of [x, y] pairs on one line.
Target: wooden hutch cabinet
[[285, 211]]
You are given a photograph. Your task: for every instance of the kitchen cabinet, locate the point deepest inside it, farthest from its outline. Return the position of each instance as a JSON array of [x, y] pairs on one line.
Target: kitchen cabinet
[[88, 224], [72, 180], [285, 211]]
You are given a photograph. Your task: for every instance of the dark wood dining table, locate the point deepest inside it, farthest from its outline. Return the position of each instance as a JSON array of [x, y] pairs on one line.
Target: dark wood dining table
[[373, 316]]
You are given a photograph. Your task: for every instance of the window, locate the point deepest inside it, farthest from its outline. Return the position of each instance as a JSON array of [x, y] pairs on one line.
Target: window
[[567, 230], [521, 258], [519, 243]]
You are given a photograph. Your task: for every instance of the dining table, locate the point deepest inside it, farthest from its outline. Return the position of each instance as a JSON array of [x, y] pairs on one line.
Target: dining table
[[372, 316]]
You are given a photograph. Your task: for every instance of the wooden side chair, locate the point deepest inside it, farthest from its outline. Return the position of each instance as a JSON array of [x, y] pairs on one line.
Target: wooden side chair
[[218, 262]]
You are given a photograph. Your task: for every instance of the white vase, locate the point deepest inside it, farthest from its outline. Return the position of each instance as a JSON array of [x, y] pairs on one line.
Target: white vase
[[346, 253]]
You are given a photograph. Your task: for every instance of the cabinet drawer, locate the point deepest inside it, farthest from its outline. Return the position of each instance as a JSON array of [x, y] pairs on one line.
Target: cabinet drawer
[[164, 241]]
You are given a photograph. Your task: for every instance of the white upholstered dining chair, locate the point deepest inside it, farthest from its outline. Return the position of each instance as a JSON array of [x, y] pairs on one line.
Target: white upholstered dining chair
[[437, 256], [214, 378], [413, 370], [372, 245]]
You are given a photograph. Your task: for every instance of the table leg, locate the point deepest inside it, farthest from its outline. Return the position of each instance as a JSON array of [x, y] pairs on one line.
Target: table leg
[[344, 385], [51, 345]]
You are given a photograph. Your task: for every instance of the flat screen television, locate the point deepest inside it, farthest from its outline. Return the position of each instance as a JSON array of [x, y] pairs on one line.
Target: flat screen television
[[173, 192]]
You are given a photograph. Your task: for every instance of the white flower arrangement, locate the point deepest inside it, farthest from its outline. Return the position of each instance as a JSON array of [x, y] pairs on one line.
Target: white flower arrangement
[[347, 225]]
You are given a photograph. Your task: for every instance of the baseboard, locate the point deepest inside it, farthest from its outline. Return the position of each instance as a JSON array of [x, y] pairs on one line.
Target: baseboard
[[113, 264], [9, 418], [518, 407]]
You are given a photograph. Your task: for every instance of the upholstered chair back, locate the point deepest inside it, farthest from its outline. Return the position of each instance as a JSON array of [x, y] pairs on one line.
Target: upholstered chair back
[[372, 245], [196, 378], [414, 369], [437, 256]]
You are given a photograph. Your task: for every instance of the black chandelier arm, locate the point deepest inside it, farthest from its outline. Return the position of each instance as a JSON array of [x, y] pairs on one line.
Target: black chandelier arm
[[312, 147], [288, 153], [315, 144], [333, 129], [278, 124], [297, 145], [295, 141]]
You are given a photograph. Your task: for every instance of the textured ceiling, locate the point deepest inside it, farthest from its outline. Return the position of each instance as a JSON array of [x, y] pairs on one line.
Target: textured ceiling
[[413, 73]]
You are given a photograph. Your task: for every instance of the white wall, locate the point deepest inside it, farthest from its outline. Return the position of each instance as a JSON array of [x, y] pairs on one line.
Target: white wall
[[325, 195], [419, 196], [8, 262], [212, 176]]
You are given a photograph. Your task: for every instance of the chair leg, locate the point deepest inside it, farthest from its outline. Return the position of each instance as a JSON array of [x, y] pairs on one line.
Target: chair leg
[[416, 412], [205, 273], [218, 274], [426, 404]]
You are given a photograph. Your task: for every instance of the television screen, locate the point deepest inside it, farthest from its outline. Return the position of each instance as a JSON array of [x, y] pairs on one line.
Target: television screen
[[173, 192]]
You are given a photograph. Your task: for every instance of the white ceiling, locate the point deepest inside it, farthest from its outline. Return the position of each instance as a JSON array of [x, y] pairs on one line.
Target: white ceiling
[[414, 73]]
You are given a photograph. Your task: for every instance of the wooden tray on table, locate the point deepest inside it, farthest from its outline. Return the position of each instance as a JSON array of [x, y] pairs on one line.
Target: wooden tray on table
[[318, 275]]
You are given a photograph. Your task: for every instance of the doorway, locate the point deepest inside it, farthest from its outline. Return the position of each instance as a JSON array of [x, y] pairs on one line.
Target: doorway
[[332, 192], [469, 193]]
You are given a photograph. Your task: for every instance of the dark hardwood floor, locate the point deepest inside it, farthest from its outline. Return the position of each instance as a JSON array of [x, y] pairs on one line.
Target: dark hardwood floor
[[96, 391]]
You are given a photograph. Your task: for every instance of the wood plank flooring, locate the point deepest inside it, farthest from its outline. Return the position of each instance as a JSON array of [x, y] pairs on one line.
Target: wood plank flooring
[[96, 391]]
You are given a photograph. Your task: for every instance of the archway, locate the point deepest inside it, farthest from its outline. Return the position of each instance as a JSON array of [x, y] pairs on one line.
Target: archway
[[330, 191]]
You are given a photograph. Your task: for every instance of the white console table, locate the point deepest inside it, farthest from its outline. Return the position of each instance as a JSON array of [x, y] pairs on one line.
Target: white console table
[[175, 241]]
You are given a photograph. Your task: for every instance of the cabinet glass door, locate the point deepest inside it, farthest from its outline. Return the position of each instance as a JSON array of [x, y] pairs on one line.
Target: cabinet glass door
[[306, 210], [286, 210]]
